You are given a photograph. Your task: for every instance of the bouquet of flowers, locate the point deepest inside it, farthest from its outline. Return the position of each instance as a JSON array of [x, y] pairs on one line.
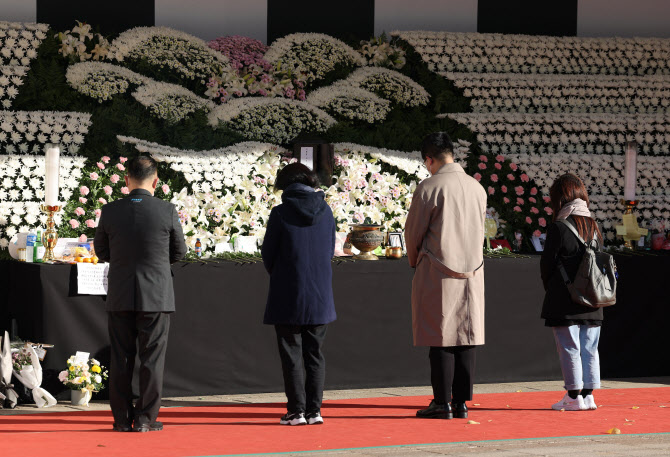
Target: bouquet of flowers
[[28, 371], [85, 376]]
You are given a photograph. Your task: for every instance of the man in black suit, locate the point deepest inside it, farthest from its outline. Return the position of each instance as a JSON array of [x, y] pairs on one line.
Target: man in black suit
[[140, 236]]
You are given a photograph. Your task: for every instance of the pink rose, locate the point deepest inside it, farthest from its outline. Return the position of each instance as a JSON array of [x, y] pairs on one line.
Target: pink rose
[[548, 210], [83, 200], [529, 220], [533, 191], [165, 188], [519, 201], [494, 177], [513, 166], [500, 158], [100, 165], [105, 159], [518, 190], [120, 167], [542, 221], [537, 233], [84, 190], [504, 189], [90, 223], [498, 166], [532, 200], [83, 238], [517, 209], [79, 211], [97, 213], [74, 223], [534, 210], [108, 190], [483, 158], [114, 178], [510, 177], [524, 177], [102, 200], [482, 166], [122, 159], [491, 190], [477, 176], [506, 200], [124, 190]]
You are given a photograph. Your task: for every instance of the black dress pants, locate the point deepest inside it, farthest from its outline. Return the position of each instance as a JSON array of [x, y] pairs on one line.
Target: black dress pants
[[132, 333], [452, 373], [303, 365]]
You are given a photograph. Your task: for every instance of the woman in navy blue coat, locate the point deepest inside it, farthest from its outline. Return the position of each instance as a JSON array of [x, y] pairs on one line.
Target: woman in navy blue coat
[[297, 251]]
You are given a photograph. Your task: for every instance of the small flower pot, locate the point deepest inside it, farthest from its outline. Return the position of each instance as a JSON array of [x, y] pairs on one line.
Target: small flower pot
[[80, 397]]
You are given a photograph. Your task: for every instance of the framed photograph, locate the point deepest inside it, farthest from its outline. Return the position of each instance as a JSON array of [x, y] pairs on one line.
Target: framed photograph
[[538, 242], [307, 154], [395, 239]]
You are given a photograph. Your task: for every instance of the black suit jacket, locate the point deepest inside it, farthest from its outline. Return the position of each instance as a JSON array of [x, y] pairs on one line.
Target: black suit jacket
[[140, 236]]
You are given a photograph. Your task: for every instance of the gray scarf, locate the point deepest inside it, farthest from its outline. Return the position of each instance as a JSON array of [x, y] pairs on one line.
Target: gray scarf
[[576, 207]]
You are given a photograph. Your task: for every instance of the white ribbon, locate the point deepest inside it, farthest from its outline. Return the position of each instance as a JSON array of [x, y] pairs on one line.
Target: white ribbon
[[6, 391], [31, 377]]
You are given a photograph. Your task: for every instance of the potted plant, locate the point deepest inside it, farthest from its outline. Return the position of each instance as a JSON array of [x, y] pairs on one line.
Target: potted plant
[[83, 378]]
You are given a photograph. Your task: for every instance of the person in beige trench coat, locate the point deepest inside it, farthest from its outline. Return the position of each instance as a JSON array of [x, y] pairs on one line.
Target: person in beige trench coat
[[444, 234]]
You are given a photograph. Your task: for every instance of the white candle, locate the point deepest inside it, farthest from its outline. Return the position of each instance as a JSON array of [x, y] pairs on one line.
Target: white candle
[[51, 183], [630, 176]]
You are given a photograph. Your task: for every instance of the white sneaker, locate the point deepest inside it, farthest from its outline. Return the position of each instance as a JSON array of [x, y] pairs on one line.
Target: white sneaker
[[314, 419], [293, 419], [568, 404], [590, 402]]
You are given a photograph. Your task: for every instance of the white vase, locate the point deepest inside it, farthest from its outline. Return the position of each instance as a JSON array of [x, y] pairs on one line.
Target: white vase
[[80, 397]]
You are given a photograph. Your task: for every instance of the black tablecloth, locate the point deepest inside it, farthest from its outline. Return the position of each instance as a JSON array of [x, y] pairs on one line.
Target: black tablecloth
[[218, 344]]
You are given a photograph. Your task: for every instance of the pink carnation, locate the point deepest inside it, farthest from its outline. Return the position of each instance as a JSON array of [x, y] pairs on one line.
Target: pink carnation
[[122, 159], [114, 178], [529, 220], [494, 178], [482, 166], [83, 200], [165, 188], [519, 201], [537, 233], [548, 210], [503, 188], [491, 190], [533, 191], [102, 200], [517, 209], [542, 221], [506, 200], [534, 210], [94, 176], [74, 223], [500, 158], [97, 212], [105, 159], [120, 167], [108, 190], [100, 165], [90, 223], [524, 177], [532, 200], [483, 158], [519, 190], [79, 211], [546, 199], [124, 190], [510, 177], [498, 166], [513, 166], [84, 190], [477, 176], [83, 238]]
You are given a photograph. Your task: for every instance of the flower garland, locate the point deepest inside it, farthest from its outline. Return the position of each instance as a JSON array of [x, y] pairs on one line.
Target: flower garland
[[11, 78], [29, 131], [314, 54], [22, 192], [506, 133], [101, 80], [390, 85], [509, 92], [498, 53], [170, 101], [350, 102], [19, 42], [275, 120]]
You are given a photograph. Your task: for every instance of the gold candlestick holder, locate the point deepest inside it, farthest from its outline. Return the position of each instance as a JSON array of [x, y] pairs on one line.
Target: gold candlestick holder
[[50, 236], [630, 231]]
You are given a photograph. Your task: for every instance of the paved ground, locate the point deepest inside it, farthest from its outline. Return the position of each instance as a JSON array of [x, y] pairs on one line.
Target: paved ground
[[620, 445]]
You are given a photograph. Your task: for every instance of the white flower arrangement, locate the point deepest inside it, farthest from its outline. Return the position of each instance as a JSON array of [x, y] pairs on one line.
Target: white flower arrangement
[[22, 192], [390, 85], [101, 80], [19, 42], [498, 53], [11, 78], [170, 101], [29, 131], [75, 44], [314, 54], [275, 120], [166, 48], [350, 102], [509, 133], [510, 92]]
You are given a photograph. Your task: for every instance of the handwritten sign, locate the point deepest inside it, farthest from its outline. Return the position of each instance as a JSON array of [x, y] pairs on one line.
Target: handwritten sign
[[307, 157], [92, 279]]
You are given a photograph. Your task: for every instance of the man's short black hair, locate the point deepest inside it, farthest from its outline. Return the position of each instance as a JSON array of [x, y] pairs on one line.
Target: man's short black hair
[[437, 145], [295, 173], [141, 168]]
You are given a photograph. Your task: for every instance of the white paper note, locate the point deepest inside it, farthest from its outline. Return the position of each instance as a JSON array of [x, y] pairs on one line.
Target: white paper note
[[92, 279], [307, 157]]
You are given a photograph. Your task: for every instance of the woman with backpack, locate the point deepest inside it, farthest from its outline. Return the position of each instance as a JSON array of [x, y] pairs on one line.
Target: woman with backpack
[[576, 326]]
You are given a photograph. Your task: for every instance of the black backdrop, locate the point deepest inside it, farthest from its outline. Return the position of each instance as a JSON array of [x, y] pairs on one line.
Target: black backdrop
[[529, 17]]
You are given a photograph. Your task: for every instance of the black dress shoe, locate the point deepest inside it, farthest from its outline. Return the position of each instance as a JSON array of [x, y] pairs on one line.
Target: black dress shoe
[[460, 410], [436, 411], [121, 428], [154, 427]]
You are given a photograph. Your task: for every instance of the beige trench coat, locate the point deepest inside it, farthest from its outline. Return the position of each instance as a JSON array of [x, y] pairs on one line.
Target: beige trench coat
[[444, 234]]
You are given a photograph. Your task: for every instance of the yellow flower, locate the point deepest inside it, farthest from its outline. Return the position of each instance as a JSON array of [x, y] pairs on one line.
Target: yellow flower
[[95, 369], [71, 368]]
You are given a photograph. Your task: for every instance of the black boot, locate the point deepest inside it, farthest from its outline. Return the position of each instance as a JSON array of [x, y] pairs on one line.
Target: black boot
[[460, 410], [436, 411]]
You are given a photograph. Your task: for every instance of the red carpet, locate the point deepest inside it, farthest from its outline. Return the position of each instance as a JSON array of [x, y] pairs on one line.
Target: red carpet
[[367, 422]]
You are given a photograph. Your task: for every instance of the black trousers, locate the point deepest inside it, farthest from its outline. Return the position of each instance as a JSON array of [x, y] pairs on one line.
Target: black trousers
[[303, 365], [132, 333], [452, 373]]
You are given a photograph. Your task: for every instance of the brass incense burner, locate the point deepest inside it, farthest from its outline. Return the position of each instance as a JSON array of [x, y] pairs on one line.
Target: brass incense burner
[[50, 236], [366, 238]]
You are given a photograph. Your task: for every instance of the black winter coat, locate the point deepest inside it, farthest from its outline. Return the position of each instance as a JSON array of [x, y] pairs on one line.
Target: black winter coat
[[297, 251], [558, 308]]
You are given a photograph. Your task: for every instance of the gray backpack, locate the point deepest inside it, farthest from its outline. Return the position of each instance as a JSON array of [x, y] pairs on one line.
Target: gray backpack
[[595, 282]]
